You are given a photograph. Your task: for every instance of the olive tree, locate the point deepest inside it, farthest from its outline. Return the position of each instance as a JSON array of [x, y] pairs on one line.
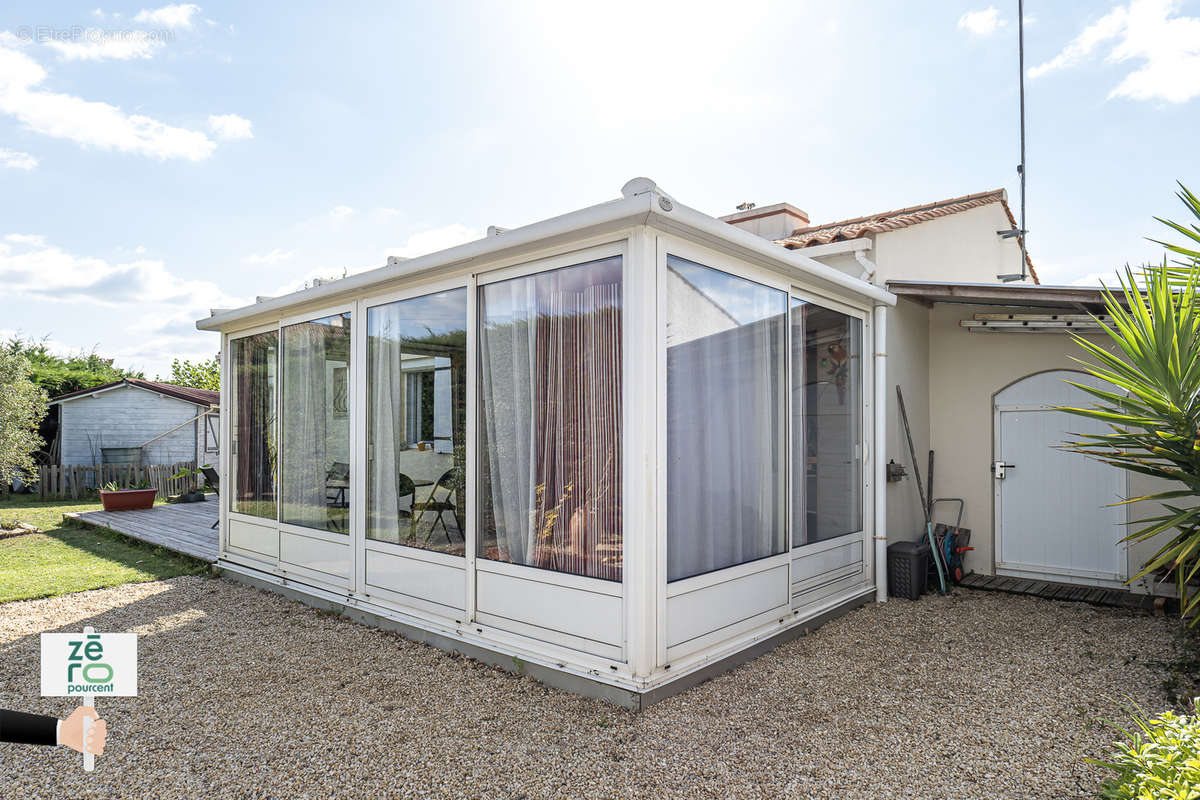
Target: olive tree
[[22, 406]]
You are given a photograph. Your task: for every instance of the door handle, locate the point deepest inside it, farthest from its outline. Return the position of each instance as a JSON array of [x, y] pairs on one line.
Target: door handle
[[999, 468]]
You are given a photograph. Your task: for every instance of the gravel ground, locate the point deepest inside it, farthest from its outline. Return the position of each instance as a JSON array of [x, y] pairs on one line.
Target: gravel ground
[[246, 694]]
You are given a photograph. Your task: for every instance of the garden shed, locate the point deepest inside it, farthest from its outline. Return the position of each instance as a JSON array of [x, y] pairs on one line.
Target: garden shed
[[137, 421], [619, 450]]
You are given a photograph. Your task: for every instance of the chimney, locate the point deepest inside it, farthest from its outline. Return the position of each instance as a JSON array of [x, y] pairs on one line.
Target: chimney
[[769, 222]]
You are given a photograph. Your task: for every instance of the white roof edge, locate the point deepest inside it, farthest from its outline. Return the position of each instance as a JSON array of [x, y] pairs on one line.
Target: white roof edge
[[643, 203], [837, 248]]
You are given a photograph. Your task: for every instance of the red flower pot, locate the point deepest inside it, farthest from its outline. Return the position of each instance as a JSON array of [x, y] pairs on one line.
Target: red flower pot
[[127, 499]]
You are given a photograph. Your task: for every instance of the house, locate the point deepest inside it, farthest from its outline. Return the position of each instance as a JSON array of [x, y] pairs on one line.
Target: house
[[983, 360], [625, 448], [137, 421]]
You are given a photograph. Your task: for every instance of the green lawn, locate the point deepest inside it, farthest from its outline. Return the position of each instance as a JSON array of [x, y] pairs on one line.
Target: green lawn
[[65, 559]]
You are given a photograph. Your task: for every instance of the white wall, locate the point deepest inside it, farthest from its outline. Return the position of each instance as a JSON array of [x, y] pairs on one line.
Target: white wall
[[908, 358], [127, 417], [967, 371], [962, 247]]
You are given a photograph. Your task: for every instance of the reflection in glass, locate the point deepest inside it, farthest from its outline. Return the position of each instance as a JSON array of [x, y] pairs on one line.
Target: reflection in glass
[[417, 421], [315, 429], [726, 415], [253, 361], [550, 420], [826, 423]]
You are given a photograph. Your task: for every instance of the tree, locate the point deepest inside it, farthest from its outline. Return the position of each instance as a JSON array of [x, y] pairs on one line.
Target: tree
[[61, 374], [1152, 400], [22, 406], [197, 374]]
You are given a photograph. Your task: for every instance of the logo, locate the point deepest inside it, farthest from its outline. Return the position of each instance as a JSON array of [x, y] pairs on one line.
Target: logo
[[89, 664]]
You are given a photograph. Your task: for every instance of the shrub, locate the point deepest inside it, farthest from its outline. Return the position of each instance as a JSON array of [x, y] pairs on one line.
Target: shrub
[[1159, 759]]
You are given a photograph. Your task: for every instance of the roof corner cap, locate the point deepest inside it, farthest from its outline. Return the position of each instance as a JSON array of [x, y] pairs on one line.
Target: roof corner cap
[[636, 186]]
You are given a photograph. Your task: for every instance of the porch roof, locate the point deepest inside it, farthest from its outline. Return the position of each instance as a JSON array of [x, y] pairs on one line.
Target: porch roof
[[1084, 298]]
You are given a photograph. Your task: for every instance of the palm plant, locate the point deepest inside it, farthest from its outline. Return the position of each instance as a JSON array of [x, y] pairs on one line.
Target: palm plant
[[1151, 400]]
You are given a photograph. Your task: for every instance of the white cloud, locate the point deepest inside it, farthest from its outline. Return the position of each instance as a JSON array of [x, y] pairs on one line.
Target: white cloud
[[89, 123], [154, 309], [982, 23], [93, 44], [1145, 31], [341, 212], [433, 240], [177, 16], [276, 256], [17, 160], [229, 127]]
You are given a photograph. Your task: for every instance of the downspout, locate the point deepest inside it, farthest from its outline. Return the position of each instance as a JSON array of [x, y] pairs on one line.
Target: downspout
[[879, 433], [868, 266]]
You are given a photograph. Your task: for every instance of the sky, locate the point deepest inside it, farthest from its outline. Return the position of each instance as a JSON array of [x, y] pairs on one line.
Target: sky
[[159, 161]]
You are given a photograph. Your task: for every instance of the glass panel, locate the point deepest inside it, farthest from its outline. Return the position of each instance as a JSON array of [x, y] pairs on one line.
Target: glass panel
[[726, 415], [550, 420], [315, 430], [417, 422], [253, 362], [826, 423]]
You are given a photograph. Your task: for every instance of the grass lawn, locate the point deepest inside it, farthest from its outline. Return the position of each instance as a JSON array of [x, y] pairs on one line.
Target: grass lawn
[[63, 559]]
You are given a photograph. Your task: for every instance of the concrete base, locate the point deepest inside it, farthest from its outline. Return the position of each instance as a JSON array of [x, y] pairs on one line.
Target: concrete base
[[630, 699]]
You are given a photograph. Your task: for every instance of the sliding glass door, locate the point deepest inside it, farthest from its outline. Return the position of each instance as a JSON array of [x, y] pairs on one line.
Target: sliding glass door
[[315, 424], [550, 420], [417, 422], [827, 416], [726, 419], [253, 362]]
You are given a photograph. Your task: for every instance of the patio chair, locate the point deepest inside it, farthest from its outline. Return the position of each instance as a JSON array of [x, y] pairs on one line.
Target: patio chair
[[337, 481], [406, 488], [449, 481], [213, 481]]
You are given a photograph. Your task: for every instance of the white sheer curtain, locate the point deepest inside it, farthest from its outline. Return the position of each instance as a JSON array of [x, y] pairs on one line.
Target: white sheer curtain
[[385, 412], [550, 390], [507, 355], [304, 418], [726, 424]]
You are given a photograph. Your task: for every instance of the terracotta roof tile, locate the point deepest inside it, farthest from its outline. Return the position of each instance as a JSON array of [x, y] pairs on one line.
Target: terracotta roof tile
[[886, 221]]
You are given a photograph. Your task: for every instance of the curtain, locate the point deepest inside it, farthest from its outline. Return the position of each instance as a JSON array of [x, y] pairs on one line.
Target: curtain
[[726, 400], [304, 416], [386, 419], [550, 358]]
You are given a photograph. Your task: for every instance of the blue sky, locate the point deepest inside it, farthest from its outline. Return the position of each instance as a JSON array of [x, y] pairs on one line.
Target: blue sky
[[159, 160]]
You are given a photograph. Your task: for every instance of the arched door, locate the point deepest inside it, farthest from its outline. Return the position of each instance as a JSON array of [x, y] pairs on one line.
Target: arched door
[[1054, 518]]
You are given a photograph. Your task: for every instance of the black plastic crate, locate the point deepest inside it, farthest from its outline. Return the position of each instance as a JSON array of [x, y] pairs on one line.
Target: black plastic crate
[[908, 563]]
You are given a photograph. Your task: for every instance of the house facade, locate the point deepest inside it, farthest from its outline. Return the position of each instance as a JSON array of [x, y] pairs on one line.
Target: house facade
[[983, 360]]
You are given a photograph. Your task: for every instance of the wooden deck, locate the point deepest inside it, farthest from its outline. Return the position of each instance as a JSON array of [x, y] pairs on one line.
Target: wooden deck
[[183, 527], [1113, 598]]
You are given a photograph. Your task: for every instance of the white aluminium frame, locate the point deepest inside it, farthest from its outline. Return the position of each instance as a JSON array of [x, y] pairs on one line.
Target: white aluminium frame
[[669, 244], [866, 425], [224, 461], [362, 543], [643, 590]]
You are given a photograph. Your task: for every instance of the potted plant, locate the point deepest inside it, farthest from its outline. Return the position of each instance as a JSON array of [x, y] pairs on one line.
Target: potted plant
[[140, 496], [195, 495]]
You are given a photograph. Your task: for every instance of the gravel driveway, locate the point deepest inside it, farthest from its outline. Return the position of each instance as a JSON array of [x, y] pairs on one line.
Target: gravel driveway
[[246, 694]]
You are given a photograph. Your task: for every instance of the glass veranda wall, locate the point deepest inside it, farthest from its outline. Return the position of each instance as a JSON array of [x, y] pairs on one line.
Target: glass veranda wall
[[455, 452]]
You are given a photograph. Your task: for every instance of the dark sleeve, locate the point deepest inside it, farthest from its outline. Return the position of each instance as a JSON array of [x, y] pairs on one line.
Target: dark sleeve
[[21, 728]]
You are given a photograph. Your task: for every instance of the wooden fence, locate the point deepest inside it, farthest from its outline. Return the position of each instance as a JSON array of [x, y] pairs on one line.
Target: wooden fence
[[74, 481]]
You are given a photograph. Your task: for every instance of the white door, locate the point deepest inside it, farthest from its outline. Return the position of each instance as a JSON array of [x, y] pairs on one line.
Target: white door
[[1053, 518]]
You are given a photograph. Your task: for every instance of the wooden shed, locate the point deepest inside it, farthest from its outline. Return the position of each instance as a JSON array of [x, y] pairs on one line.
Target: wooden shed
[[137, 421]]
